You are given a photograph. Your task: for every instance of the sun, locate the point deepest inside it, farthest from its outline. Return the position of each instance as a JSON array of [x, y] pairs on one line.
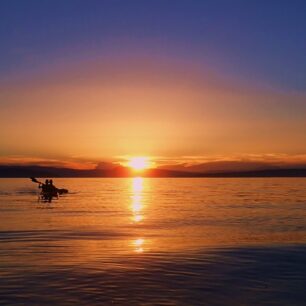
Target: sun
[[139, 163]]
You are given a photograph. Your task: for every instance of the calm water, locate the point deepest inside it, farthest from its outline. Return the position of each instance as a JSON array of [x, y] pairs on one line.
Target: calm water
[[154, 242]]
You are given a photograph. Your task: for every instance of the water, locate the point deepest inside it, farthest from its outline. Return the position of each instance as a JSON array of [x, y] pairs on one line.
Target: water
[[154, 242]]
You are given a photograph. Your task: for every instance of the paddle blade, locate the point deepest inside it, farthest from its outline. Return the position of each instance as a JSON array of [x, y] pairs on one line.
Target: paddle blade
[[33, 179]]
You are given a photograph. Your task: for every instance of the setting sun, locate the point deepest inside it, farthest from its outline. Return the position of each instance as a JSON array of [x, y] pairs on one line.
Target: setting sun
[[139, 163]]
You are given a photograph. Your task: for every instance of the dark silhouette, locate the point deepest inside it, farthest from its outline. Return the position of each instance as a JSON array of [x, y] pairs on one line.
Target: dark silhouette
[[40, 171], [44, 186], [48, 190], [51, 187]]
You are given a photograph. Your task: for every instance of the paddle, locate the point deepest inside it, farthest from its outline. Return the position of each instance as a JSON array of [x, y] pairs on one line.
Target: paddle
[[33, 179]]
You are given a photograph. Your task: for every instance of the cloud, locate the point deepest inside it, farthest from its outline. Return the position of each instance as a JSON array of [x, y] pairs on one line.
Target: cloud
[[213, 163], [246, 162], [19, 160]]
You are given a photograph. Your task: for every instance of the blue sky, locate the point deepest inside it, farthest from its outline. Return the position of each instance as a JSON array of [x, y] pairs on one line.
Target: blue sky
[[258, 41]]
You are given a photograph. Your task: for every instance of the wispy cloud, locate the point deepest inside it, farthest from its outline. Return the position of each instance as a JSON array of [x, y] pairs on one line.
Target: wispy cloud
[[19, 160], [190, 163], [233, 162]]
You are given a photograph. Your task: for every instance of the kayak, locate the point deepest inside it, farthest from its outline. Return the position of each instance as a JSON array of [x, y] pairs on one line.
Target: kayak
[[61, 191], [48, 192], [53, 193]]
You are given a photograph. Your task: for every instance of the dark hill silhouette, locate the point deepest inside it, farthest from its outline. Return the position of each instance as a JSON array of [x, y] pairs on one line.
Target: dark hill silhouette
[[120, 171], [40, 171]]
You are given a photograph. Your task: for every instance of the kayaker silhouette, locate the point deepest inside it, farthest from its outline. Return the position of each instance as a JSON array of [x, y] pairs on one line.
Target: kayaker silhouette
[[52, 188], [48, 190], [44, 186]]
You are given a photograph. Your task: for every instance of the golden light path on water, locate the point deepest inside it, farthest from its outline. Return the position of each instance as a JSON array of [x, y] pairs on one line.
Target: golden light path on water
[[137, 209]]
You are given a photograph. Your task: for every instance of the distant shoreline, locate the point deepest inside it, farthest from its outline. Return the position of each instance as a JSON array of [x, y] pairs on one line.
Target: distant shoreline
[[123, 172]]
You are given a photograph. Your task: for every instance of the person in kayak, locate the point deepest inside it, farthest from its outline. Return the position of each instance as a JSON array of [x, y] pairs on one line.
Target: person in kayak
[[51, 187], [44, 186], [48, 190]]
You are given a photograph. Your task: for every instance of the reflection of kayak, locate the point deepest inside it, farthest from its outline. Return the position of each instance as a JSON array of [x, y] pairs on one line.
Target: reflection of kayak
[[49, 194]]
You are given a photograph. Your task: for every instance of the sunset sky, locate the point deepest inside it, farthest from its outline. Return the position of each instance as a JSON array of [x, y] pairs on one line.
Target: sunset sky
[[87, 82]]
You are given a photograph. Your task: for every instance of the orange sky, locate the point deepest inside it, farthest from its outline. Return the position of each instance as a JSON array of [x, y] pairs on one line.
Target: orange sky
[[97, 111]]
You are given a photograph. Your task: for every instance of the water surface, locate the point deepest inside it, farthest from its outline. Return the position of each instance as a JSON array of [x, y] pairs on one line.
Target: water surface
[[154, 242]]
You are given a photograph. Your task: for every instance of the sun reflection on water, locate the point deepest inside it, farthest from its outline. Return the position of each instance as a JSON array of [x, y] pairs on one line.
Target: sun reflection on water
[[138, 243], [137, 204], [137, 208]]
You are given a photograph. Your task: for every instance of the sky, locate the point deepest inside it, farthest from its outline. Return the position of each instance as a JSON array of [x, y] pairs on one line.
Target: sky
[[183, 82]]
